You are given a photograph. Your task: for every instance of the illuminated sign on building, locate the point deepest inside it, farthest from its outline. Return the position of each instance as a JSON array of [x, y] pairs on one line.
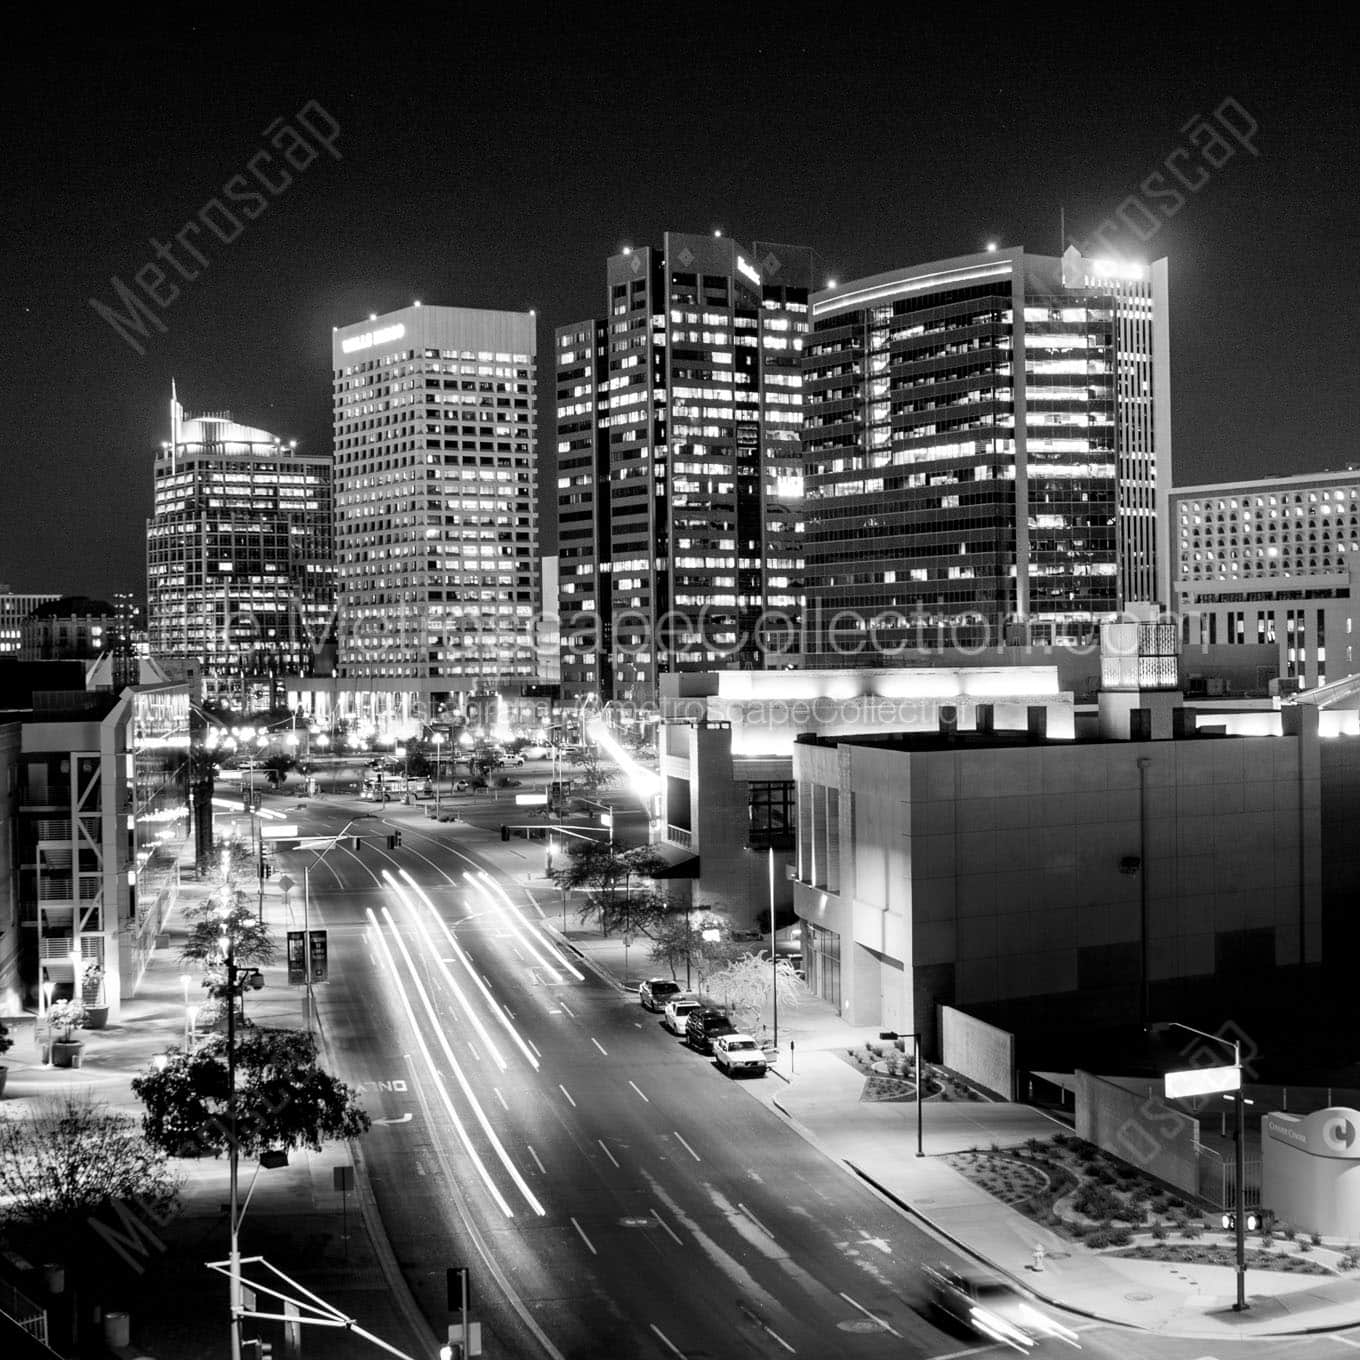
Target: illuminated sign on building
[[749, 270], [370, 338]]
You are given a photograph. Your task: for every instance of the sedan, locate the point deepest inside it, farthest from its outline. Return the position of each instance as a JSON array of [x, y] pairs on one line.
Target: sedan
[[678, 1011], [739, 1055], [992, 1308], [655, 992]]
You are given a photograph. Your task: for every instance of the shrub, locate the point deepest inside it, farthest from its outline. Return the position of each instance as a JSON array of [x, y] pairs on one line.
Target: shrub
[[1316, 1239], [1160, 1232], [1191, 1231], [1305, 1245], [1108, 1235], [1096, 1201]]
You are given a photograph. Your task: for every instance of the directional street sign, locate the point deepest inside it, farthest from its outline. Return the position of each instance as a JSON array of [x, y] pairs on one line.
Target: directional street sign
[[286, 884], [1202, 1081]]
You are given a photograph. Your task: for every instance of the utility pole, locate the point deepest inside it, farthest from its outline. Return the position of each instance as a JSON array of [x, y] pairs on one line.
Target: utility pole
[[233, 1154]]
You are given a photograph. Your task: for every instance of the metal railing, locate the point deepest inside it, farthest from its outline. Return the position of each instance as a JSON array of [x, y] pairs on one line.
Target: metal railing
[[678, 835], [23, 1312]]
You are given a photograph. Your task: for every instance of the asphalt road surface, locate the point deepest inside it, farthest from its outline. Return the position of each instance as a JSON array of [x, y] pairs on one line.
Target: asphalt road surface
[[610, 1191]]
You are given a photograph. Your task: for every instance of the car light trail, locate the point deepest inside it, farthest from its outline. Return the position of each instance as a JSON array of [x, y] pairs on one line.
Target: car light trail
[[584, 1238], [462, 958], [449, 979], [566, 1093], [607, 1152], [469, 1096], [514, 930], [599, 1045], [458, 1125], [532, 929], [640, 1091]]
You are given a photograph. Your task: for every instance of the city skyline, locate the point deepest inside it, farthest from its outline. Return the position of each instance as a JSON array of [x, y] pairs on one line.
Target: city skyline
[[1190, 146]]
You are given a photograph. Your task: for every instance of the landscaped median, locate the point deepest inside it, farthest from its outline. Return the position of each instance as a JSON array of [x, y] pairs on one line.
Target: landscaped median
[[1075, 1190]]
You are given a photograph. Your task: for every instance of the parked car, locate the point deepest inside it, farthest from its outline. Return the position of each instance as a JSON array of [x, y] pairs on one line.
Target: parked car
[[991, 1307], [655, 992], [704, 1025], [422, 788], [460, 786], [678, 1011], [739, 1055], [512, 760]]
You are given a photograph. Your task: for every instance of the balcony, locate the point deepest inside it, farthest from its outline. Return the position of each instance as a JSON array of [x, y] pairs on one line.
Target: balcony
[[679, 835]]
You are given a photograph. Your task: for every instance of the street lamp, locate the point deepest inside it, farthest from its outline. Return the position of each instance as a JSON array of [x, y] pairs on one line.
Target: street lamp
[[184, 981], [403, 754], [1239, 1159], [438, 740]]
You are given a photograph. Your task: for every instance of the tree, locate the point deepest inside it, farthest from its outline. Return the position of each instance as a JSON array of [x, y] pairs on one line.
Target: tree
[[746, 984], [283, 1099], [65, 1159], [593, 773], [609, 875], [227, 913]]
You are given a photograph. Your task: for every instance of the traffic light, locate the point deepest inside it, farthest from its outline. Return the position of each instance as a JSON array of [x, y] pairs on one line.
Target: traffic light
[[394, 841], [268, 869], [459, 1295], [355, 843], [1255, 1221], [505, 833]]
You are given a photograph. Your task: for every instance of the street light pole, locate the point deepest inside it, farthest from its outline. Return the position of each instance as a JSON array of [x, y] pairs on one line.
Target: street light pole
[[233, 1155], [774, 958], [1239, 1155]]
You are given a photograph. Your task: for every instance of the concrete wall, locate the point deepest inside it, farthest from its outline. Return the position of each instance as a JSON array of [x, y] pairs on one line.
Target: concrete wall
[[1142, 1130], [979, 1051]]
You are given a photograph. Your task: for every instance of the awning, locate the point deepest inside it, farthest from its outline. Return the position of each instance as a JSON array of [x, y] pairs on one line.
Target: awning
[[679, 862]]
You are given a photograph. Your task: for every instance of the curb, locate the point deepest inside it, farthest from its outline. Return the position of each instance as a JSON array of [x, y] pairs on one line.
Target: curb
[[964, 1249]]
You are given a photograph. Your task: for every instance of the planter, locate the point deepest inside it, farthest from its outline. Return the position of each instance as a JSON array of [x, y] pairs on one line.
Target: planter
[[96, 1017], [67, 1052]]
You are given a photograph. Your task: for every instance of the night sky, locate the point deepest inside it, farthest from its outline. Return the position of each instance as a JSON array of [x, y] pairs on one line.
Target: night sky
[[493, 156]]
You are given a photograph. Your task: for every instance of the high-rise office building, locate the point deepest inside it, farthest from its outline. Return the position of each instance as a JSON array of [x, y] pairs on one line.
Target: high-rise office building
[[987, 445], [239, 569], [679, 465], [436, 515]]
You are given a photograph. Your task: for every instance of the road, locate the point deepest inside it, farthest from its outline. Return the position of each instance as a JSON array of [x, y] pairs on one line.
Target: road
[[610, 1191]]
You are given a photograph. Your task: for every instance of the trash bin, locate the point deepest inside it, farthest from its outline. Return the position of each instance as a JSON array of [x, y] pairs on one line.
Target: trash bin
[[117, 1329]]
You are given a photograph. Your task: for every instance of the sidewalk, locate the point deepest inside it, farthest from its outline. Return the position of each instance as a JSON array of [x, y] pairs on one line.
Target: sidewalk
[[820, 1094], [296, 1219]]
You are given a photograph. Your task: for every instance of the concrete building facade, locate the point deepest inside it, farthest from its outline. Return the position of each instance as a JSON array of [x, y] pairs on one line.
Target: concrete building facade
[[1037, 882]]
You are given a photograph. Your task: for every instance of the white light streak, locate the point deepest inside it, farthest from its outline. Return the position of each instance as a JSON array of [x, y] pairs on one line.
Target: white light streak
[[468, 1094]]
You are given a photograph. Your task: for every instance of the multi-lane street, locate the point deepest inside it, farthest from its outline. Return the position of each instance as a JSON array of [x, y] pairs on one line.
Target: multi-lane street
[[610, 1191]]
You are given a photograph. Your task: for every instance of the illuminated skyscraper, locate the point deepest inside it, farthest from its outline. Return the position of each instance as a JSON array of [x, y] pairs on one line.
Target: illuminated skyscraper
[[239, 568], [436, 520], [679, 465], [987, 445]]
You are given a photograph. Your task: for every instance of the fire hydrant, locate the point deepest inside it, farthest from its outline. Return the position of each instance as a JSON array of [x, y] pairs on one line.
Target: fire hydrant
[[1038, 1256]]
